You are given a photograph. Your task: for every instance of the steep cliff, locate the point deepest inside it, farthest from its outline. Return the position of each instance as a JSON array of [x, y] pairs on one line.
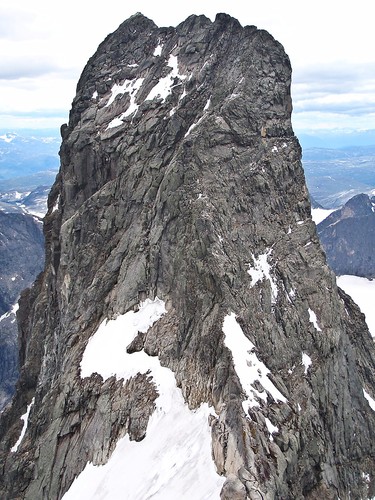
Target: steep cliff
[[181, 216]]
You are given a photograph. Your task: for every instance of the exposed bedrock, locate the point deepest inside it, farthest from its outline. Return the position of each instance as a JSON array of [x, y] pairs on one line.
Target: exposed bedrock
[[181, 179]]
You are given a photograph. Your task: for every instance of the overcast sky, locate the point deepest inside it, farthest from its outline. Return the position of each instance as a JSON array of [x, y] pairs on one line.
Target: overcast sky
[[44, 46]]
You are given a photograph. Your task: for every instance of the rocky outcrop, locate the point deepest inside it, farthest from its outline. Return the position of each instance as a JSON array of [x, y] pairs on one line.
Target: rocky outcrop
[[21, 260], [181, 179], [348, 237]]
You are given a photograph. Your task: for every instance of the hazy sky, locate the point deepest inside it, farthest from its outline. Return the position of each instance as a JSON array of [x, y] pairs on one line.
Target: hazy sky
[[44, 46]]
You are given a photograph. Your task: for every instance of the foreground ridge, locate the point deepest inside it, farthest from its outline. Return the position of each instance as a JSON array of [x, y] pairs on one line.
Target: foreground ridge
[[185, 285]]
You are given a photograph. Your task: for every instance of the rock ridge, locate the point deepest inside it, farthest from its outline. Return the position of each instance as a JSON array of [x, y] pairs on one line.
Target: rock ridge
[[181, 179]]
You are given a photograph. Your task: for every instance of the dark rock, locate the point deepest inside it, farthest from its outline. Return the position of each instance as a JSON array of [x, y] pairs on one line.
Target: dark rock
[[348, 237], [176, 196]]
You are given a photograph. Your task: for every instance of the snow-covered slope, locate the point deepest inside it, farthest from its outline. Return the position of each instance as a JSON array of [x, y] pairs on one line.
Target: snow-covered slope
[[174, 460], [319, 214], [362, 292]]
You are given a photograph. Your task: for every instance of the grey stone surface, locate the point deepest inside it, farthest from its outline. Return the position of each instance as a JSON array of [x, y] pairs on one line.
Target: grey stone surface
[[153, 207]]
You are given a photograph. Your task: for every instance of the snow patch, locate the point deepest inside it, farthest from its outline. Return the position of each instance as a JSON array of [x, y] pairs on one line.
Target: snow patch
[[131, 87], [15, 308], [25, 418], [16, 195], [366, 477], [94, 95], [13, 311], [271, 428], [208, 104], [184, 93], [104, 353], [275, 150], [313, 320], [306, 361], [174, 459], [319, 214], [192, 127], [56, 205], [164, 86], [7, 137], [362, 292], [371, 402], [157, 51], [119, 90], [247, 365], [261, 270]]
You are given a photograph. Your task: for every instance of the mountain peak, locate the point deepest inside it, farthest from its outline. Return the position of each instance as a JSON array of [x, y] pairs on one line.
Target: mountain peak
[[187, 334], [348, 237]]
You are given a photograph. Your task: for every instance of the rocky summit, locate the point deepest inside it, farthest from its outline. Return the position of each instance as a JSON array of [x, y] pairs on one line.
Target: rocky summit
[[187, 338]]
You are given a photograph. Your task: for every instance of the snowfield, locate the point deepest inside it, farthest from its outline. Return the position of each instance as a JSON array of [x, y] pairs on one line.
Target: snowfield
[[319, 214], [174, 460], [362, 291]]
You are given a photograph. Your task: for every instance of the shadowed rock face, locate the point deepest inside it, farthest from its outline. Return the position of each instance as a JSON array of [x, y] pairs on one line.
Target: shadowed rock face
[[348, 237], [21, 260], [21, 255], [188, 186]]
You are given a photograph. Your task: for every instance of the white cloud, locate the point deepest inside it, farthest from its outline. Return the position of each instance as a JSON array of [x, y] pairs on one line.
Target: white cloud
[[329, 44]]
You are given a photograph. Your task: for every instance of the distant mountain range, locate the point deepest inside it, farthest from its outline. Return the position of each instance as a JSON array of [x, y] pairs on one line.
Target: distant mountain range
[[348, 237], [32, 202], [333, 139], [29, 163], [338, 165], [27, 153], [334, 176]]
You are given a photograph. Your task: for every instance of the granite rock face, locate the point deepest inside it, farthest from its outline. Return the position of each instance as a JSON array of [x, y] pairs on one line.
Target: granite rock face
[[181, 178], [348, 237]]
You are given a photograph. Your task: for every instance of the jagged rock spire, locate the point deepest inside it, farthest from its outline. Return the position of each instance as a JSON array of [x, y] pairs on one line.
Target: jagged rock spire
[[181, 182]]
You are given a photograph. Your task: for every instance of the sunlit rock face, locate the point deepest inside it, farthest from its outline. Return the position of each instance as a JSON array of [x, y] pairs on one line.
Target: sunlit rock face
[[181, 182]]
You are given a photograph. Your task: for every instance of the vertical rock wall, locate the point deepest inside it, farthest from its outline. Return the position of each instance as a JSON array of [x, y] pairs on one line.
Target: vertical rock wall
[[181, 178]]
